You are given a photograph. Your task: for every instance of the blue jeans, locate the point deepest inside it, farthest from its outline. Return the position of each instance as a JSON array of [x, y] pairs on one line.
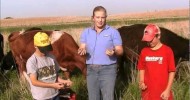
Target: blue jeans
[[101, 79]]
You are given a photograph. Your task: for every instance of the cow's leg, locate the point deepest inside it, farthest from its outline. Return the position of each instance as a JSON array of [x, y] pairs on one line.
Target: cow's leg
[[20, 67], [84, 71], [66, 73], [81, 65]]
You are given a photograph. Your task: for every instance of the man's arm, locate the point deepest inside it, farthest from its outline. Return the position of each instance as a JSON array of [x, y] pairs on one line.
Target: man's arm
[[119, 50]]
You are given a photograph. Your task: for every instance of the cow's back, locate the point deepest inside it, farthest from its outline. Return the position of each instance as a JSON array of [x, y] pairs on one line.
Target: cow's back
[[64, 49], [22, 46], [66, 52]]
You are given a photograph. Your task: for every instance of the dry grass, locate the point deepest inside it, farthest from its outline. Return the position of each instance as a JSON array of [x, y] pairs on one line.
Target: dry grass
[[181, 28], [155, 14], [40, 21], [71, 19], [75, 33]]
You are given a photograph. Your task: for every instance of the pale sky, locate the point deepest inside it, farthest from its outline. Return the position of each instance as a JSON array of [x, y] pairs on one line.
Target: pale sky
[[49, 8]]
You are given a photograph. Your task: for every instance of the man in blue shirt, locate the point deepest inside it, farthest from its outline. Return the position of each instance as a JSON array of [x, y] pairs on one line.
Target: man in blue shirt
[[101, 44]]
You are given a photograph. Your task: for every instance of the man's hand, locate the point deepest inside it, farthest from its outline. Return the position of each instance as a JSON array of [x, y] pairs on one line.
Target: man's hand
[[82, 49], [110, 52]]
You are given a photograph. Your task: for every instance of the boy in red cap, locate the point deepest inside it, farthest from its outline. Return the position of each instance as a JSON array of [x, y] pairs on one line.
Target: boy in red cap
[[156, 67]]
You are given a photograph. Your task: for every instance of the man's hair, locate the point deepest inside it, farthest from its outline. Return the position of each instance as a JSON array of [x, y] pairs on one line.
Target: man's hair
[[99, 8]]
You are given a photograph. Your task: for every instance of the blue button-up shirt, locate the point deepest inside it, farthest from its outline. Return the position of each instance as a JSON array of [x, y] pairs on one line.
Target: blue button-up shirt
[[98, 43]]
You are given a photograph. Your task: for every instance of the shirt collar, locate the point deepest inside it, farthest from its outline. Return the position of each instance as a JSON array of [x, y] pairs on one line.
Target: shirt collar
[[106, 27]]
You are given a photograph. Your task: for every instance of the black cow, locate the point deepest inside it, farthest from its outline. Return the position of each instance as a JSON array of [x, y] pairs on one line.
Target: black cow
[[1, 46], [8, 63], [132, 44], [132, 35]]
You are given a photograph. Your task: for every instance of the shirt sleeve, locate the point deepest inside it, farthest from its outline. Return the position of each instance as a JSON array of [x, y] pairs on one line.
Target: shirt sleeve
[[57, 66], [31, 66], [83, 36], [117, 38], [171, 62], [141, 61]]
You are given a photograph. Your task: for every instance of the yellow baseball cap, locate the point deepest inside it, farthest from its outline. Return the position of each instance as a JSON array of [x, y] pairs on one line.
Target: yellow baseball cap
[[42, 41]]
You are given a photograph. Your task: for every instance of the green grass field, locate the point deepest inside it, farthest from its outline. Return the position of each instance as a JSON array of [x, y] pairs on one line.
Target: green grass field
[[11, 88]]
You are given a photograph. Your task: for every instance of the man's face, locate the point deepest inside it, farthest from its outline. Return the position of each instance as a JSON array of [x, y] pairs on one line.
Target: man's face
[[99, 19]]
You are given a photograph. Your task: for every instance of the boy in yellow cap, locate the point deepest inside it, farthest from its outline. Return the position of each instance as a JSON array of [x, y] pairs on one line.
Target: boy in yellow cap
[[42, 69], [156, 66]]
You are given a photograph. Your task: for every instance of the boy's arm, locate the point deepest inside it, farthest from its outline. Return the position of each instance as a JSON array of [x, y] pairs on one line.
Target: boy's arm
[[141, 76], [170, 80], [142, 85], [38, 83], [166, 93]]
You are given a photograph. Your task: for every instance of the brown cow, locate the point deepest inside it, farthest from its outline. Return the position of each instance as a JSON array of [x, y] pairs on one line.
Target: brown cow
[[64, 49]]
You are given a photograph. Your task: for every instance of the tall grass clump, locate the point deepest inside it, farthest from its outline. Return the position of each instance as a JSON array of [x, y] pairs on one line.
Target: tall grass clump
[[181, 86], [80, 86], [12, 88], [127, 85]]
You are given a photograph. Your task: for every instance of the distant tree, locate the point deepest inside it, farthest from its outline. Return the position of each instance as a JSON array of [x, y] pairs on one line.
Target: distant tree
[[8, 18]]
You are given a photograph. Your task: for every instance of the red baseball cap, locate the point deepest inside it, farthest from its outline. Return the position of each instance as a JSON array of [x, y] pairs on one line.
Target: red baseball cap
[[150, 31]]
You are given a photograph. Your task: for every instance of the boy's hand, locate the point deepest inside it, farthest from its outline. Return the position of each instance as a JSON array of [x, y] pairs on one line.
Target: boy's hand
[[165, 95], [68, 83], [142, 86], [58, 85]]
